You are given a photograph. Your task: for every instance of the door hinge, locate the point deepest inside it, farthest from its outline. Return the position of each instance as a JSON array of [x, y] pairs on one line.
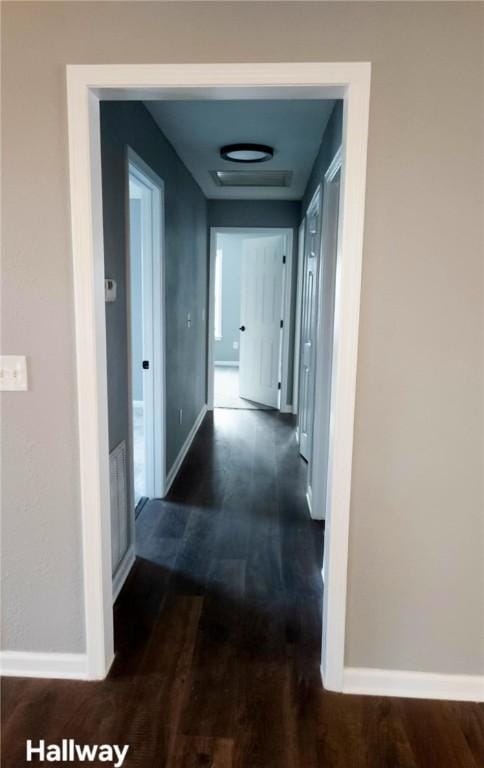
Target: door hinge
[[282, 323], [283, 259], [279, 385]]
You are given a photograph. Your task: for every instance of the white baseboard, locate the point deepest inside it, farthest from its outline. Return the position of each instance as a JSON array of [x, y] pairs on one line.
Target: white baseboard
[[415, 685], [184, 449], [312, 512], [123, 570], [285, 408], [70, 666], [309, 500], [227, 363]]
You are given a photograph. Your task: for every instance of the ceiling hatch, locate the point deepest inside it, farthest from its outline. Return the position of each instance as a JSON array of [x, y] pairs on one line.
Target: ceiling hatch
[[254, 178]]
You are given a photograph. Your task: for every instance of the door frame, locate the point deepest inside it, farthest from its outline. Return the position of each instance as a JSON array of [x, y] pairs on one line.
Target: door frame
[[284, 406], [297, 320], [317, 196], [318, 499], [86, 85], [148, 177]]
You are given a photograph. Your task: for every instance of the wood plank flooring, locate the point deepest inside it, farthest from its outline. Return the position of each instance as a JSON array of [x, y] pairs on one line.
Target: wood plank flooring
[[218, 636]]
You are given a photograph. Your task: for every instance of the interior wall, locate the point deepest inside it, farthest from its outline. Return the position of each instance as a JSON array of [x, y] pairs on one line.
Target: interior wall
[[231, 247], [415, 573], [126, 124], [330, 144]]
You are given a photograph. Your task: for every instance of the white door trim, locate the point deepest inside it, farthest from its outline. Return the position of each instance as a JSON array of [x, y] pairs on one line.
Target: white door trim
[[284, 406], [297, 321], [318, 483], [86, 85]]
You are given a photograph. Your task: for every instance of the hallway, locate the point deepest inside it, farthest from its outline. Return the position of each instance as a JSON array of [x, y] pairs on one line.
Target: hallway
[[218, 635]]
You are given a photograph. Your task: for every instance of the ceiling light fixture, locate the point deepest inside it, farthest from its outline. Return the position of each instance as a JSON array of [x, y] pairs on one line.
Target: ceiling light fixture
[[247, 153]]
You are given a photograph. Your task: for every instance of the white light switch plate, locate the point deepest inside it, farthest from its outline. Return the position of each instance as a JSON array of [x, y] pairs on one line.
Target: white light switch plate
[[13, 373]]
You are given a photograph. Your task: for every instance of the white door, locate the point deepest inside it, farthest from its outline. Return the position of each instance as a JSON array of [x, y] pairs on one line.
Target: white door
[[312, 247], [324, 365], [260, 319], [141, 228]]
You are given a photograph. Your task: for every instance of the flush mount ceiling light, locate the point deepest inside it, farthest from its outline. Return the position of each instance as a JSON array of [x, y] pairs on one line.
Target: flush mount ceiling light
[[247, 153]]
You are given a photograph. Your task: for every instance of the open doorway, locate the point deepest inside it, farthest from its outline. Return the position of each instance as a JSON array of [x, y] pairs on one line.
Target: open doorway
[[145, 238], [135, 347], [250, 303], [349, 82]]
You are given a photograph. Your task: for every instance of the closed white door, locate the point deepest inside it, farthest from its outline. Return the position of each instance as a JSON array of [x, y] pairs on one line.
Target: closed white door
[[324, 364], [312, 247], [260, 319]]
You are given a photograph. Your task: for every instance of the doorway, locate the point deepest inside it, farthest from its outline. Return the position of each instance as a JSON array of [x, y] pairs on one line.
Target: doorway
[[249, 317], [146, 331], [86, 85]]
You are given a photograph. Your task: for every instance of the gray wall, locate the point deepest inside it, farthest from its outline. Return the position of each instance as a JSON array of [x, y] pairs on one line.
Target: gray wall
[[130, 124], [264, 213], [329, 146], [415, 555], [231, 246]]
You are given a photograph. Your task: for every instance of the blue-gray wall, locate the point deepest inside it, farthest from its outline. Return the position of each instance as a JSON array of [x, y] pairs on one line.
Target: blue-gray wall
[[263, 213], [129, 124], [231, 246], [329, 146]]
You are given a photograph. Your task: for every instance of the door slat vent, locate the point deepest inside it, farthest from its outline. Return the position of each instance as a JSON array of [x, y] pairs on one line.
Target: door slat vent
[[119, 504]]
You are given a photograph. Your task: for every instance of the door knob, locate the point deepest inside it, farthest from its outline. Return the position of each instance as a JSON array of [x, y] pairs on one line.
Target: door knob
[[146, 365], [242, 328]]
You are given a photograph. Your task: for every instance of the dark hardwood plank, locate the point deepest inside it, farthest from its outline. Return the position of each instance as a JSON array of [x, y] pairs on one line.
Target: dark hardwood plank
[[202, 752], [218, 632]]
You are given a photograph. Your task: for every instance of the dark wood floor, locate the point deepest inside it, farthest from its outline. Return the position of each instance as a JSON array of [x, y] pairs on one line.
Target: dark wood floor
[[218, 636]]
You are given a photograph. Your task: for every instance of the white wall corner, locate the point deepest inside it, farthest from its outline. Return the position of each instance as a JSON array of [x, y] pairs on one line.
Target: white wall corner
[[416, 685], [69, 666]]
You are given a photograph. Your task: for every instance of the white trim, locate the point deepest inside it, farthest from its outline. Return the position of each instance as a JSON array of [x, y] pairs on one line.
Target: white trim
[[318, 449], [284, 406], [343, 382], [335, 165], [123, 570], [86, 85], [184, 449], [416, 685], [69, 666], [309, 500], [90, 330], [297, 323], [227, 363]]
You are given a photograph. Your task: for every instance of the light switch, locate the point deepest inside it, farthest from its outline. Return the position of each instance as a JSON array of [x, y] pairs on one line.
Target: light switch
[[13, 373], [189, 320]]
